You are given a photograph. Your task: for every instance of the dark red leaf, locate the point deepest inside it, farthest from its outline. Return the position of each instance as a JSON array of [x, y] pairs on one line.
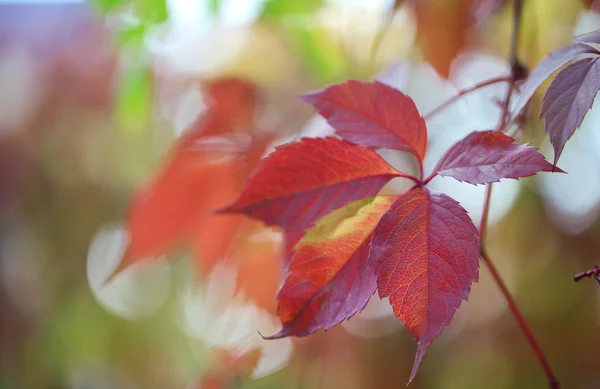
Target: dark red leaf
[[328, 280], [372, 114], [568, 99], [544, 69], [425, 252], [303, 181], [488, 156]]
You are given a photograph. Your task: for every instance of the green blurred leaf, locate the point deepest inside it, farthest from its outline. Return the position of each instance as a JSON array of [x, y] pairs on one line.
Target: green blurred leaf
[[134, 100], [279, 8], [214, 6], [152, 11], [109, 5], [321, 54], [133, 36]]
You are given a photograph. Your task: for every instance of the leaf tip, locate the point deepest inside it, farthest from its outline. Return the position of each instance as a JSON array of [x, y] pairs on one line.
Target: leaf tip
[[126, 260], [421, 351], [284, 332], [309, 97]]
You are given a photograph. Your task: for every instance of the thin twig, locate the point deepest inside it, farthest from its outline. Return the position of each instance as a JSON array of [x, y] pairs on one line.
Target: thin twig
[[523, 326], [595, 272], [465, 91], [512, 306]]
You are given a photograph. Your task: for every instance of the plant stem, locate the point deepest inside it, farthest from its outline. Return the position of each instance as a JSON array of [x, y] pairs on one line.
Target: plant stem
[[523, 326], [465, 91], [595, 272], [552, 381]]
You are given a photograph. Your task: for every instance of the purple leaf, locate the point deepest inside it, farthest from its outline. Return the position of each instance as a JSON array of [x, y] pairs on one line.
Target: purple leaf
[[590, 37], [488, 156], [544, 69], [568, 99]]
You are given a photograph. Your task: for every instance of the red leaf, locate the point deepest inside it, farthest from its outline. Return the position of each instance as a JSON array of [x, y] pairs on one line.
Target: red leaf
[[165, 212], [372, 114], [328, 280], [488, 156], [231, 105], [568, 99], [425, 252], [303, 181], [199, 177], [229, 367], [545, 68], [257, 253], [442, 30]]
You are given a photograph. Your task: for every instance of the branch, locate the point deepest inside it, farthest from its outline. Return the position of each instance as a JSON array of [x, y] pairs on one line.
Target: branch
[[512, 306], [595, 272], [516, 73], [465, 91]]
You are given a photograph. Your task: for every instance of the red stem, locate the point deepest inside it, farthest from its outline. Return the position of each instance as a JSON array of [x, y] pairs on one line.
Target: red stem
[[595, 272], [512, 306], [465, 91], [514, 310]]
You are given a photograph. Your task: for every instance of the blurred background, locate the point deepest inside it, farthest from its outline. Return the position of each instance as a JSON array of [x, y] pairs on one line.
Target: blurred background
[[99, 100]]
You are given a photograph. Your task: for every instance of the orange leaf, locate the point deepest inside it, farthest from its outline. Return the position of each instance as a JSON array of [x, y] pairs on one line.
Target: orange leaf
[[441, 28], [328, 279]]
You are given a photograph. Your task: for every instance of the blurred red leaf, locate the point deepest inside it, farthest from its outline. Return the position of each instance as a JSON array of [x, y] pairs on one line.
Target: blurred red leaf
[[328, 280], [302, 181], [229, 367], [487, 156], [372, 114], [567, 100], [193, 182], [442, 27], [231, 104], [205, 171], [425, 252], [257, 253]]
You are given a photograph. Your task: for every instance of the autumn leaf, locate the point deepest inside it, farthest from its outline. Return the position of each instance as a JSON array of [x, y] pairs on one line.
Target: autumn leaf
[[164, 213], [567, 100], [231, 104], [176, 206], [442, 27], [425, 253], [229, 369], [487, 156], [544, 69], [372, 114], [302, 181], [256, 252], [328, 280]]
